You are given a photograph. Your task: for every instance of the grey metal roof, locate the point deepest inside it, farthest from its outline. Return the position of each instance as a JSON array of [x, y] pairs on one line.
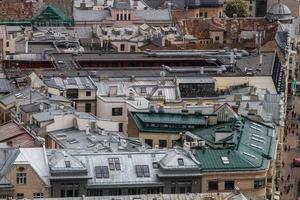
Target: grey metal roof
[[99, 140], [24, 95], [7, 158], [128, 161], [6, 86], [279, 9], [83, 83], [155, 15], [90, 15]]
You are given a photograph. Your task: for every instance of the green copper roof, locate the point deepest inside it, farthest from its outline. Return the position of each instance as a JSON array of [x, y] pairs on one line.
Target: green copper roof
[[168, 118], [167, 122], [254, 144]]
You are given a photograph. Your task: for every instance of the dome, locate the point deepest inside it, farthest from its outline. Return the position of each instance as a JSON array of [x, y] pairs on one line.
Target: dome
[[279, 11]]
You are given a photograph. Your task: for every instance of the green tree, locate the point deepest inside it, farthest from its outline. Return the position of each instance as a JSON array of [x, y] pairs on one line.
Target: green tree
[[238, 7]]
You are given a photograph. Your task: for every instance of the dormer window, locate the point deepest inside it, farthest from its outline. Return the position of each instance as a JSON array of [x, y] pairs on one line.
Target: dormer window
[[155, 165], [68, 164], [180, 161]]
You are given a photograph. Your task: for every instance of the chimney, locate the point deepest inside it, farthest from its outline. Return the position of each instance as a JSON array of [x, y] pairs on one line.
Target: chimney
[[161, 109], [152, 109], [82, 5], [87, 130], [41, 107]]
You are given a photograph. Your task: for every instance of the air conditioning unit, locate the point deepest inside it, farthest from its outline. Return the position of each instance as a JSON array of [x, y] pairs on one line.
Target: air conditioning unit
[[201, 143]]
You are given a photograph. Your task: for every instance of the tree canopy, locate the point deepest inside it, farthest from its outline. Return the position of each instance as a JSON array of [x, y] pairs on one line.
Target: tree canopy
[[238, 7]]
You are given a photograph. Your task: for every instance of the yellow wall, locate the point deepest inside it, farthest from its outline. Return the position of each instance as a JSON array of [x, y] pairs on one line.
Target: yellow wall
[[262, 82], [243, 180]]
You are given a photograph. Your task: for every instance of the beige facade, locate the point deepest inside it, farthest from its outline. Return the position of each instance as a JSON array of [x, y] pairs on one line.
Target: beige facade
[[243, 180], [34, 185], [83, 103], [206, 12]]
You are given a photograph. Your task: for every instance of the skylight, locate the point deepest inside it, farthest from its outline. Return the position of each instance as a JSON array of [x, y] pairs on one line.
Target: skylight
[[250, 155], [257, 129], [225, 160], [256, 146], [258, 140]]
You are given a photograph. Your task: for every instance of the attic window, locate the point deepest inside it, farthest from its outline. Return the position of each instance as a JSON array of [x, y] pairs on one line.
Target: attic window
[[101, 172], [68, 164], [180, 162], [114, 164], [155, 165], [225, 160], [142, 171]]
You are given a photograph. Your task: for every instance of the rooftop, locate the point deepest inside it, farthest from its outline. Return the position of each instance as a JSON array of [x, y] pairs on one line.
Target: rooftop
[[99, 140], [81, 83], [167, 122], [254, 144]]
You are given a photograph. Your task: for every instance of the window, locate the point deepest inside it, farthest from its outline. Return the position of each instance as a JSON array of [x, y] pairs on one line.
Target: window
[[38, 195], [143, 90], [117, 111], [180, 162], [162, 143], [129, 17], [88, 107], [88, 93], [68, 164], [217, 38], [120, 127], [101, 172], [21, 178], [114, 164], [69, 190], [142, 171], [155, 165], [149, 142], [259, 183], [201, 14], [213, 185], [250, 8], [72, 93], [229, 185], [122, 47], [173, 187], [7, 44], [205, 14], [20, 195], [132, 48], [117, 17]]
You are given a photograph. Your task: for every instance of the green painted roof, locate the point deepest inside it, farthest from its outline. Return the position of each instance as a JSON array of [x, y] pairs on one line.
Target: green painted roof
[[254, 145], [211, 160], [169, 118], [245, 144], [167, 122]]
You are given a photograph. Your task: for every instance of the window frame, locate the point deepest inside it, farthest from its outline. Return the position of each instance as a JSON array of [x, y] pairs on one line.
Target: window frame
[[21, 178]]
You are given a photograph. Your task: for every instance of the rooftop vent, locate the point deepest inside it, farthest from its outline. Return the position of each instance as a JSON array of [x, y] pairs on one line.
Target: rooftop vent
[[152, 109], [161, 109]]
